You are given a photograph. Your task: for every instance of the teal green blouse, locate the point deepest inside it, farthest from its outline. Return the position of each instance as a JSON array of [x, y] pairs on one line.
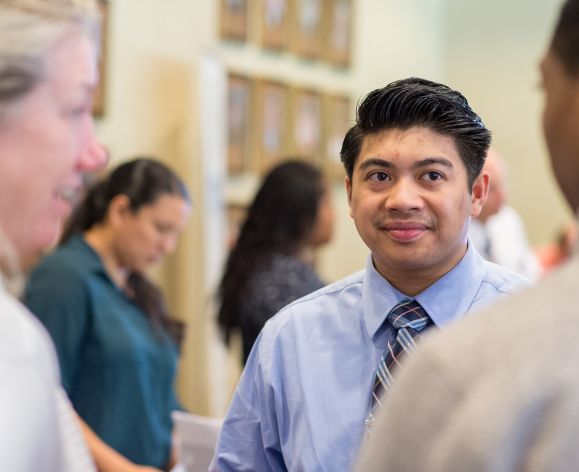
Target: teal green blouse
[[118, 370]]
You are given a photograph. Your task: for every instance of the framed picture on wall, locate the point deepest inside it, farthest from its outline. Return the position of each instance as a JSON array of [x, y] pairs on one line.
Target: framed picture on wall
[[238, 121], [233, 19], [275, 24], [338, 118], [98, 106], [271, 122], [339, 32], [307, 124], [309, 28]]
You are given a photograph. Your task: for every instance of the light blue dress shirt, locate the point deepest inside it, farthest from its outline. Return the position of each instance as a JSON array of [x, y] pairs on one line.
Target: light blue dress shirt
[[306, 389]]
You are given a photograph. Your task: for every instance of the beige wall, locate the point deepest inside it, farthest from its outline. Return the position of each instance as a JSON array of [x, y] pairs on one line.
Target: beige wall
[[492, 52], [486, 49]]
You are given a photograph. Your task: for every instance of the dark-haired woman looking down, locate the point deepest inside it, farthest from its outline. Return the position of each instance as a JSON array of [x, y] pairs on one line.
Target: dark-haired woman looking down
[[114, 340]]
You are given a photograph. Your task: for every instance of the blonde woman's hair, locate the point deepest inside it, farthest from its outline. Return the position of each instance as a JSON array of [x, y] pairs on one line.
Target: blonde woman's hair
[[11, 276], [28, 30]]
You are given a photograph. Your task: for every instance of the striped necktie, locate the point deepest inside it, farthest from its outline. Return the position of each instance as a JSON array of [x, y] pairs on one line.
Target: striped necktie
[[408, 319]]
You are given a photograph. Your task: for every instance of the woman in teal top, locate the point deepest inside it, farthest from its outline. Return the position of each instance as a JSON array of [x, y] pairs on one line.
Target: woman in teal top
[[115, 343]]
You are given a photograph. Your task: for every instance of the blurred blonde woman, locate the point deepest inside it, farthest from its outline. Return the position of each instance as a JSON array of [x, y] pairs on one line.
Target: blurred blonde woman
[[48, 73]]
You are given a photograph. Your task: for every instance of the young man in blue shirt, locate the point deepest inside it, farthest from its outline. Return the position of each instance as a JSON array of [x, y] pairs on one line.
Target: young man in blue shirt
[[500, 392], [413, 163]]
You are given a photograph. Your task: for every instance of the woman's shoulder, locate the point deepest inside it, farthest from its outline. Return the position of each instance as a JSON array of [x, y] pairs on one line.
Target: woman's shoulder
[[280, 262], [73, 255], [288, 272], [67, 264]]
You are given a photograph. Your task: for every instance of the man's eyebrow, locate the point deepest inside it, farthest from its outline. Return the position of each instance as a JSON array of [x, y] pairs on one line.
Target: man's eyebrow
[[433, 161], [386, 164], [376, 162]]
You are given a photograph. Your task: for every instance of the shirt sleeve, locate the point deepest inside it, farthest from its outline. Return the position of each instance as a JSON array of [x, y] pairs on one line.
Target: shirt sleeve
[[249, 439], [76, 455], [59, 298]]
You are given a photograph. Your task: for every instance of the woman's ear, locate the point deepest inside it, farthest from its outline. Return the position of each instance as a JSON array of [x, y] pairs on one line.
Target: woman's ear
[[119, 209]]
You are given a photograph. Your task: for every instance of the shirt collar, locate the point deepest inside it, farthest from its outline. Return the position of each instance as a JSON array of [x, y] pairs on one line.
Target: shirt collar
[[448, 299], [88, 256]]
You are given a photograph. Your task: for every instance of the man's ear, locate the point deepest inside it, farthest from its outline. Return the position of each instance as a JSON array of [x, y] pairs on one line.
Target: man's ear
[[349, 193], [480, 191], [119, 208]]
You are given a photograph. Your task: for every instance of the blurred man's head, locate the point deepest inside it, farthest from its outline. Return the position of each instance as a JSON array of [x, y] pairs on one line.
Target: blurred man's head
[[560, 76], [495, 166]]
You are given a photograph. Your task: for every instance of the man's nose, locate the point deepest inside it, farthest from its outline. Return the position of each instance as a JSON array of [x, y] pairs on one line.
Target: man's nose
[[404, 195]]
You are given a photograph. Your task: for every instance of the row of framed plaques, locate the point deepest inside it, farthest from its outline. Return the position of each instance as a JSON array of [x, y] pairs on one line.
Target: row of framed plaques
[[270, 120], [313, 29]]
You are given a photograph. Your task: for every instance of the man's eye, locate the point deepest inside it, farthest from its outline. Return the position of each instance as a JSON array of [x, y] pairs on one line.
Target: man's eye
[[432, 175], [380, 176]]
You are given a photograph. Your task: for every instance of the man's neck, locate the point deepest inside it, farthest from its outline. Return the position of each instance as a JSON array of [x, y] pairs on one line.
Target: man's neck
[[413, 285], [413, 281]]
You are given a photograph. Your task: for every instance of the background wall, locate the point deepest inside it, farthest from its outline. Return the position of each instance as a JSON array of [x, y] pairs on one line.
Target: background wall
[[488, 50], [492, 50]]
